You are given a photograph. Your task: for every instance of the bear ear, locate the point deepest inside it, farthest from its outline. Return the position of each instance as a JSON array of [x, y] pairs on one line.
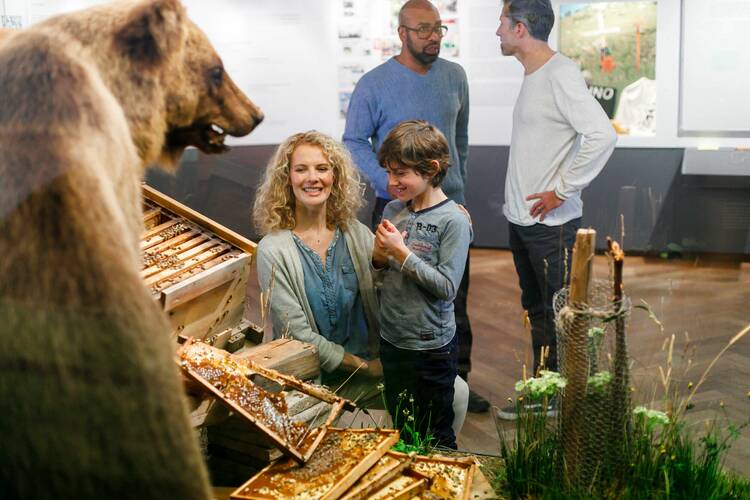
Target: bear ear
[[151, 31]]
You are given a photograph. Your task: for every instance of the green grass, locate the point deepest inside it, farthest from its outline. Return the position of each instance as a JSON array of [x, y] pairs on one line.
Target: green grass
[[405, 420], [530, 461], [664, 462]]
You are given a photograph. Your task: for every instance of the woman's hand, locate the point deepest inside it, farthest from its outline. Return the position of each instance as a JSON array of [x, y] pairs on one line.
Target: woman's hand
[[374, 368], [379, 255], [351, 363]]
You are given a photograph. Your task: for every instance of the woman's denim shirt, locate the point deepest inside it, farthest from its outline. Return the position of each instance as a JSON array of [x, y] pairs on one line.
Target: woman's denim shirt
[[333, 294]]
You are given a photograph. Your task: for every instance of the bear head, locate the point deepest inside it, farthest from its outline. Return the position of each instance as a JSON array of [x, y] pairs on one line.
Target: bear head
[[166, 75]]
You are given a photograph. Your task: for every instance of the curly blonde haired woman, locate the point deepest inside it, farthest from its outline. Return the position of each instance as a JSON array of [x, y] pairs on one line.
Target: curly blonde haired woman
[[318, 255]]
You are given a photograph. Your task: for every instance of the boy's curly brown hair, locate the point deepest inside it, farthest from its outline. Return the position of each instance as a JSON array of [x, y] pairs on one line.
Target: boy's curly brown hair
[[415, 144]]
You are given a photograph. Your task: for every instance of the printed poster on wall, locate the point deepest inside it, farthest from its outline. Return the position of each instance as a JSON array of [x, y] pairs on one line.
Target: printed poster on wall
[[615, 45]]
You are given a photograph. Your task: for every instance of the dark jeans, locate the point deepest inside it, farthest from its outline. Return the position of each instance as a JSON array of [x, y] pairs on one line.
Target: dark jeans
[[428, 378], [540, 258], [463, 326]]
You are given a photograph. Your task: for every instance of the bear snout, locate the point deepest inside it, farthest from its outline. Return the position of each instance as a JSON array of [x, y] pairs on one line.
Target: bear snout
[[240, 114]]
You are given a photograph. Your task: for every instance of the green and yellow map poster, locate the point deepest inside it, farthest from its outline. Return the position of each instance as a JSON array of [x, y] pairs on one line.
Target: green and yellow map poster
[[615, 45]]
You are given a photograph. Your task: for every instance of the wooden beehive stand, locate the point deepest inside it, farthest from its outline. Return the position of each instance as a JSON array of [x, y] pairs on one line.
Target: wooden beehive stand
[[196, 268]]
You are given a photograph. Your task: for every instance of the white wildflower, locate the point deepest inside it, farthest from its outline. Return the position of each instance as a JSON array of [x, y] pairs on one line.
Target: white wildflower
[[653, 417], [596, 332], [599, 380], [547, 384]]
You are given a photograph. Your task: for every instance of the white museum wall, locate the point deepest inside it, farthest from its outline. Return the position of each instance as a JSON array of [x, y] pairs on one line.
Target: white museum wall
[[716, 63]]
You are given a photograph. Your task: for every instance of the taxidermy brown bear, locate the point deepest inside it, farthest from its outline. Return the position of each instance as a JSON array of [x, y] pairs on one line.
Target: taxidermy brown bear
[[92, 402]]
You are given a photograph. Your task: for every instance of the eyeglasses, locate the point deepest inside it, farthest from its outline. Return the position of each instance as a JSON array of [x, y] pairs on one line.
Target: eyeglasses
[[424, 32]]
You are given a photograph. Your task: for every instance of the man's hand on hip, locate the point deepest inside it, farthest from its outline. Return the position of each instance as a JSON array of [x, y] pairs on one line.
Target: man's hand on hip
[[547, 201]]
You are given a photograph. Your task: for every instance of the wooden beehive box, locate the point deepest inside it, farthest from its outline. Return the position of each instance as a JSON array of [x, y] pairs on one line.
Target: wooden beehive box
[[196, 268]]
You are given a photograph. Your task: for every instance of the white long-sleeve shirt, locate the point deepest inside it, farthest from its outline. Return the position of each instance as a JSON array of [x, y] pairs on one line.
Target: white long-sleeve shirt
[[560, 142]]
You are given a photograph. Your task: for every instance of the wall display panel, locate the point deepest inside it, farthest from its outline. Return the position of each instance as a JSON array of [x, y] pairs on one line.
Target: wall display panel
[[668, 56], [367, 37], [494, 80], [12, 14], [715, 68], [614, 43]]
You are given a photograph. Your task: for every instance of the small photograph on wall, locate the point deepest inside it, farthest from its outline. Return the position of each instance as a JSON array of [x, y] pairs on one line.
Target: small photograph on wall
[[615, 45], [11, 22]]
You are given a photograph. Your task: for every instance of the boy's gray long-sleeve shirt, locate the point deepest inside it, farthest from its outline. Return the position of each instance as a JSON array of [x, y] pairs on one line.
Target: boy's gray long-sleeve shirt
[[416, 299]]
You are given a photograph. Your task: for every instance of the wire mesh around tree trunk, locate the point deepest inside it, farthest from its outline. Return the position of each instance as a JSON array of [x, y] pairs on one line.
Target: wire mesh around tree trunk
[[595, 405]]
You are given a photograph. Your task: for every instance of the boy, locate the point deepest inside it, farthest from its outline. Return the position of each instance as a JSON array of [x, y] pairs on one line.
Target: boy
[[421, 247]]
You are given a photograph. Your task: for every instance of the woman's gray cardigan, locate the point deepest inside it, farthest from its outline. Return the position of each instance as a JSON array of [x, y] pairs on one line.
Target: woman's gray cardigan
[[290, 311]]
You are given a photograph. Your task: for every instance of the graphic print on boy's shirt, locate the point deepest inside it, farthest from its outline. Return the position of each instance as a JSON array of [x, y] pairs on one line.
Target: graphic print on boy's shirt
[[426, 237]]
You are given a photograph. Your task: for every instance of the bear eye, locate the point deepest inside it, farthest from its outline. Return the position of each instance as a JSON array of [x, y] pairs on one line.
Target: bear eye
[[216, 75]]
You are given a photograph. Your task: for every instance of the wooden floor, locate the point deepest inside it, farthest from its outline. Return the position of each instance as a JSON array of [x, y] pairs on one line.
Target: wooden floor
[[703, 304]]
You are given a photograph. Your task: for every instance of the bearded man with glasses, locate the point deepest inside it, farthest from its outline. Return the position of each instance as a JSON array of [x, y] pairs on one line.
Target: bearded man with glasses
[[416, 85]]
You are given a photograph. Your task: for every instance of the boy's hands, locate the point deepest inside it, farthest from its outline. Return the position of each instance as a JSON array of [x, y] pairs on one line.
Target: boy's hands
[[390, 241]]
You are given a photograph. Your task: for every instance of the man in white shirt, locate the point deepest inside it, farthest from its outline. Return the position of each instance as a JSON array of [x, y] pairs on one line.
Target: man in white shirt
[[560, 142]]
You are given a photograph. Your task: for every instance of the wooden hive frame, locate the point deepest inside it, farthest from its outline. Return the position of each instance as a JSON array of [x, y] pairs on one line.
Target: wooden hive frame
[[466, 465], [409, 484], [288, 356], [184, 211], [249, 369], [389, 468], [196, 268], [387, 438]]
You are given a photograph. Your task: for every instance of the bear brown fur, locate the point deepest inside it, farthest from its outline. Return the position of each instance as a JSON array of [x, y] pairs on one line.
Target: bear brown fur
[[4, 33], [93, 405]]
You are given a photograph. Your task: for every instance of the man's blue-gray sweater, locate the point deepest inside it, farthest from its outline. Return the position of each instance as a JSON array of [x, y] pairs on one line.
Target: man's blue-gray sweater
[[392, 93]]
